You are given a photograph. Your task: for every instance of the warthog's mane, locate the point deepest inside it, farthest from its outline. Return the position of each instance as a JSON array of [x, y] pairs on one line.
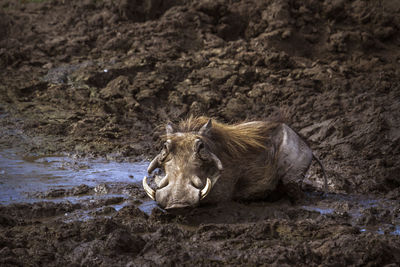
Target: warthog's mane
[[233, 139]]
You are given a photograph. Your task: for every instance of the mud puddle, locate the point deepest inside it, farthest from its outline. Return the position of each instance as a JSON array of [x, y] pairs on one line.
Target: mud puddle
[[100, 186], [370, 214]]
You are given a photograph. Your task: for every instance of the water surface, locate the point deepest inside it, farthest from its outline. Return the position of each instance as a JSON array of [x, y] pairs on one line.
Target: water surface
[[21, 177]]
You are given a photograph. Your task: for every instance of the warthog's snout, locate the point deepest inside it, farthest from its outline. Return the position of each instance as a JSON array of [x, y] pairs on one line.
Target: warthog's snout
[[179, 194]]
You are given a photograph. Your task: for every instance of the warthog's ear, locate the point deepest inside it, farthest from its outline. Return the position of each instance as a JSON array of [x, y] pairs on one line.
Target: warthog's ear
[[205, 129], [169, 128]]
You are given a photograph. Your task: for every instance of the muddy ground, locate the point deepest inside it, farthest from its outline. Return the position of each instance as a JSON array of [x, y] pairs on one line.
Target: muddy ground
[[99, 79]]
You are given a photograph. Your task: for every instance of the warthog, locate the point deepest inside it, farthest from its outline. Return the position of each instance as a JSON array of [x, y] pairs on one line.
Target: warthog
[[206, 161]]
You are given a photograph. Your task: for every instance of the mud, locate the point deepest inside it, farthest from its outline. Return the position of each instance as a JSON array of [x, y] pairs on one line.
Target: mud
[[90, 80]]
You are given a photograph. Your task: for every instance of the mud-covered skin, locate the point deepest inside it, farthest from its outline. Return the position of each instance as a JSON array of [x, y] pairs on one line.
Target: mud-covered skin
[[100, 77]]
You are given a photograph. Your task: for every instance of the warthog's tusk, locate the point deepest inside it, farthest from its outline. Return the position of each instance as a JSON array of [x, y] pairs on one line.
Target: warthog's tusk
[[150, 192], [153, 164], [204, 192]]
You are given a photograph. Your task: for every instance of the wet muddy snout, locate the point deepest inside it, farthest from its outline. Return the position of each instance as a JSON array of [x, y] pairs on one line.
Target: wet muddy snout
[[178, 195]]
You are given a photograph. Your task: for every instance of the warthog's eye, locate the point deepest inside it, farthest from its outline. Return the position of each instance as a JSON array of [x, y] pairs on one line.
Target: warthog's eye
[[200, 150], [200, 147]]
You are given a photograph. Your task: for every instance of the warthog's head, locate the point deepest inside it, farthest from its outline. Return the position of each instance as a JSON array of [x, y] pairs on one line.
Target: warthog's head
[[190, 168]]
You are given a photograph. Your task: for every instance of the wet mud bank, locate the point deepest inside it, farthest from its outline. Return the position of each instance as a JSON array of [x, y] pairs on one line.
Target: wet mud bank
[[85, 87]]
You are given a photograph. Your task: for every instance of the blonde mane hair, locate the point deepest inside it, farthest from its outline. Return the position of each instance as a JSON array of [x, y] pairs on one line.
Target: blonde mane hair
[[235, 139]]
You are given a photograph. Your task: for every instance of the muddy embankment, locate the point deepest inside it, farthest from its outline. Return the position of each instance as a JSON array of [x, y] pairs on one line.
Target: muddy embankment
[[98, 78]]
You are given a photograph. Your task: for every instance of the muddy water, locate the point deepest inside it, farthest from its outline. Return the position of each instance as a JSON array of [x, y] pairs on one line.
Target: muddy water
[[60, 178], [370, 214]]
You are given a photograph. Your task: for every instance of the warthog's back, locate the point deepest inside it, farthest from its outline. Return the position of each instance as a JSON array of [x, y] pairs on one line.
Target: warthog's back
[[257, 170]]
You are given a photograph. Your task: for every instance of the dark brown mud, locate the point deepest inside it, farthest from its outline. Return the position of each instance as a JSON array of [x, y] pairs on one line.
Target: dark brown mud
[[98, 78]]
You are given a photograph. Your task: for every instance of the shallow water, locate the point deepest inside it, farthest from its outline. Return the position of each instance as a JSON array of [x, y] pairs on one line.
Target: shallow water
[[21, 178], [321, 210], [397, 231], [355, 207]]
